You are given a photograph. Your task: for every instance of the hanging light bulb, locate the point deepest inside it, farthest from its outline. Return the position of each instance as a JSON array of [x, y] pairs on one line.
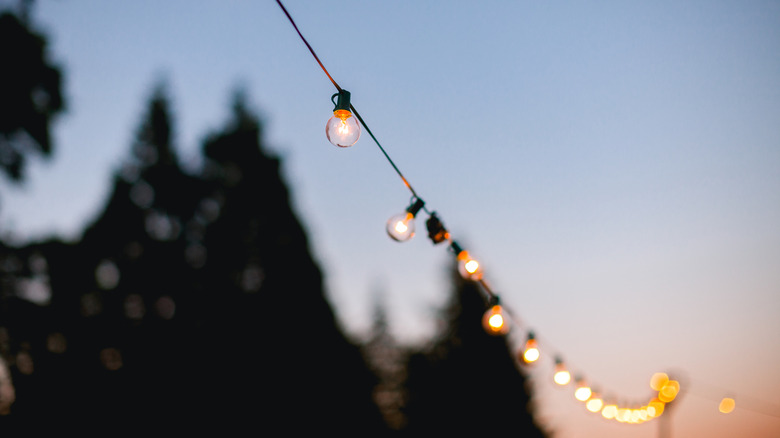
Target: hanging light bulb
[[342, 129], [562, 375], [493, 320], [531, 351], [401, 226], [583, 392], [727, 405], [469, 268], [594, 403]]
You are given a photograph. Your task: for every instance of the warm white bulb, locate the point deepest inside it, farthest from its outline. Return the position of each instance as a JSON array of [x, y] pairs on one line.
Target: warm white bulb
[[401, 226], [342, 129], [582, 393], [469, 268], [494, 322], [562, 377]]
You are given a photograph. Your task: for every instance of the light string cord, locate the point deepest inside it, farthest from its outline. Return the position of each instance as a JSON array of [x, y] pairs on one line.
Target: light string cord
[[352, 107], [485, 287]]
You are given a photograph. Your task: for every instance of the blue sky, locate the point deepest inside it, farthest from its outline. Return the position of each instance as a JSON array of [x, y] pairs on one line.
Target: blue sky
[[613, 164]]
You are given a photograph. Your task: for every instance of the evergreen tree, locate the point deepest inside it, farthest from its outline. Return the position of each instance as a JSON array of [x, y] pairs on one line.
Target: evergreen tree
[[30, 94], [467, 381], [192, 301]]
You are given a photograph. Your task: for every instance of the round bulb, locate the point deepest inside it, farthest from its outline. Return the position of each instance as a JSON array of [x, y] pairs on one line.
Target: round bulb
[[401, 226], [469, 268], [562, 377], [727, 405], [494, 322], [609, 412], [342, 129], [594, 404], [582, 392], [531, 353]]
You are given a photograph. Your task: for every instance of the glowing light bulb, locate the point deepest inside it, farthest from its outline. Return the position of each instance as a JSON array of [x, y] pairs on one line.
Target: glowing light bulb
[[583, 391], [669, 391], [594, 404], [468, 267], [727, 405], [494, 321], [610, 411], [531, 352], [562, 375], [342, 129], [401, 226], [655, 408], [658, 381]]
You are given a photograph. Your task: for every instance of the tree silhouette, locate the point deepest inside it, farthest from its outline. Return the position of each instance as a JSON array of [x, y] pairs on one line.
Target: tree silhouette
[[191, 301], [467, 381], [30, 95]]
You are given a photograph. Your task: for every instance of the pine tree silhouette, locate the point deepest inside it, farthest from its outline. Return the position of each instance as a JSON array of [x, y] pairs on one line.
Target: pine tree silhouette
[[467, 381], [192, 301]]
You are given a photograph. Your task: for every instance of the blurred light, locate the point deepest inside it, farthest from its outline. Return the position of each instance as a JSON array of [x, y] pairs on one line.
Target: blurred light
[[107, 275], [494, 322], [623, 415], [134, 307], [658, 381], [56, 343], [582, 392], [342, 129], [609, 412], [111, 358], [727, 405], [469, 268], [655, 408], [594, 404], [165, 307], [669, 391], [531, 351], [562, 375]]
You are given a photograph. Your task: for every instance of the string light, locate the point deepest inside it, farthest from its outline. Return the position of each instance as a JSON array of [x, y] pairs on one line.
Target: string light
[[494, 321], [469, 268], [531, 351], [727, 405], [342, 129], [582, 391], [401, 226], [561, 376]]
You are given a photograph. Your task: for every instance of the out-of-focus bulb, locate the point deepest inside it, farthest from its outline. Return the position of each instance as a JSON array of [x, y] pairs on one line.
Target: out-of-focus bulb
[[609, 411], [468, 267], [494, 321], [531, 351], [562, 375], [583, 391], [727, 405], [342, 129], [401, 226], [594, 404]]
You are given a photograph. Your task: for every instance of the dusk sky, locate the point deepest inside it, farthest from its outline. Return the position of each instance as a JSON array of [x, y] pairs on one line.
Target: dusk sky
[[614, 165]]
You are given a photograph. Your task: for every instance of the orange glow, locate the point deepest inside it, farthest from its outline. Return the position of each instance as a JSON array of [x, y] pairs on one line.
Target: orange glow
[[623, 415], [609, 412], [658, 381], [582, 393], [727, 405], [494, 322], [562, 376], [655, 408], [531, 353], [669, 391], [594, 404], [468, 267]]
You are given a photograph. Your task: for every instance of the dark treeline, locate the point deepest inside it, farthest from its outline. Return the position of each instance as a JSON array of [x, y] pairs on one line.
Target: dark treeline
[[192, 301]]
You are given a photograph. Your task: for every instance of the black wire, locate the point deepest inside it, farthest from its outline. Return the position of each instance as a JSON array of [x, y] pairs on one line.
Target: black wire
[[352, 107]]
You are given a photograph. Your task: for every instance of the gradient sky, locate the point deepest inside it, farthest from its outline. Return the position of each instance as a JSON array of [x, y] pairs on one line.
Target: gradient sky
[[615, 165]]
